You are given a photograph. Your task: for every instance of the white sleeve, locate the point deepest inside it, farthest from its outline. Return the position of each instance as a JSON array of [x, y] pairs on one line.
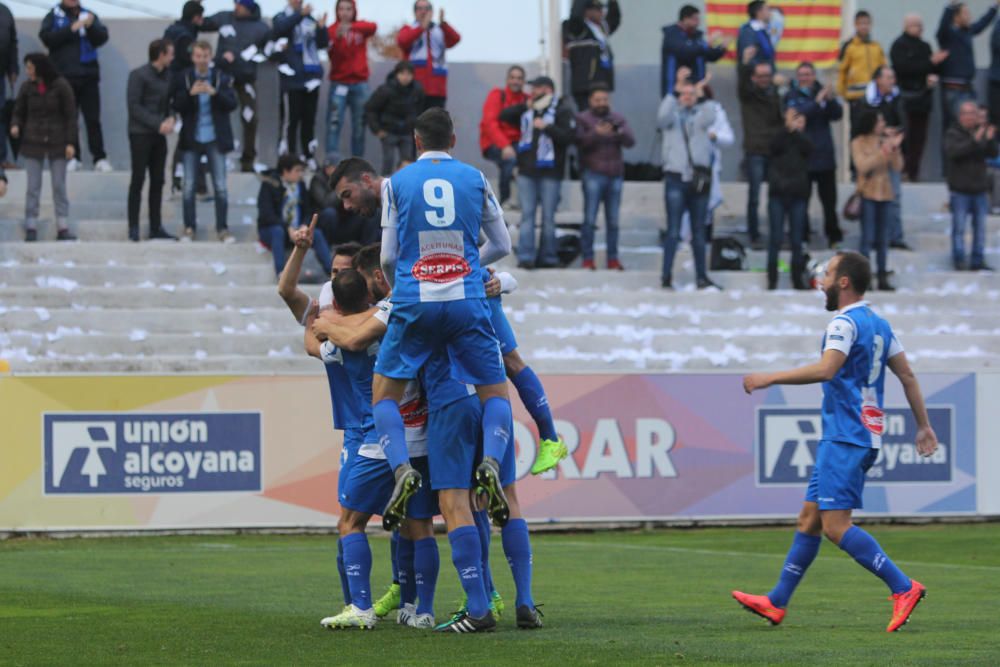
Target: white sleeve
[[305, 313], [384, 310], [326, 296], [330, 353], [390, 215], [508, 283], [498, 244], [840, 335], [390, 253], [895, 347]]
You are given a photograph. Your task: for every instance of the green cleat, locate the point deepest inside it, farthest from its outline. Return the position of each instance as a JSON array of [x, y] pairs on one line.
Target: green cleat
[[550, 453], [496, 604], [388, 602], [351, 617], [408, 482]]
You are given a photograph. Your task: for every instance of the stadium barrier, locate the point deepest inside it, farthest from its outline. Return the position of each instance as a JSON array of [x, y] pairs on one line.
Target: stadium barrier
[[196, 452]]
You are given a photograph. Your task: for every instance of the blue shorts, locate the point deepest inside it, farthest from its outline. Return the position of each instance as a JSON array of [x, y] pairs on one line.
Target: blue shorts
[[838, 477], [508, 343], [453, 436], [462, 328], [508, 466], [353, 437], [369, 486]]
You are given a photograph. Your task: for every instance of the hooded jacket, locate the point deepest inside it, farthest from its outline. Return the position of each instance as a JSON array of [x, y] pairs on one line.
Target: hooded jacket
[[562, 132], [590, 57], [760, 109], [47, 121], [818, 115], [71, 55], [224, 102], [236, 35], [960, 65], [285, 26], [965, 160], [859, 58], [493, 131], [911, 59], [674, 123], [426, 49], [788, 165], [684, 49], [393, 107], [349, 54], [183, 35]]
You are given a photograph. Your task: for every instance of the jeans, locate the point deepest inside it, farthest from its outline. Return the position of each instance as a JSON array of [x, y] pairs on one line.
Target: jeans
[[598, 189], [300, 122], [778, 208], [896, 210], [506, 166], [33, 171], [344, 96], [532, 189], [394, 145], [274, 237], [87, 93], [217, 168], [875, 221], [246, 93], [680, 197], [962, 206], [756, 166], [826, 188], [149, 152]]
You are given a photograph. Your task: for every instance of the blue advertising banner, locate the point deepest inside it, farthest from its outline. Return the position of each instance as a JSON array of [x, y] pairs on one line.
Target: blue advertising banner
[[151, 453]]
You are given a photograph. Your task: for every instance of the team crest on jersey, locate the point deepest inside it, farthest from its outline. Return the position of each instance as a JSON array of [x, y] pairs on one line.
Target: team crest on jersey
[[873, 419], [441, 268]]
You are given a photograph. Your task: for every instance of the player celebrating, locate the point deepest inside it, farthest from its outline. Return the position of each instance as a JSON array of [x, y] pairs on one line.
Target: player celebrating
[[857, 347]]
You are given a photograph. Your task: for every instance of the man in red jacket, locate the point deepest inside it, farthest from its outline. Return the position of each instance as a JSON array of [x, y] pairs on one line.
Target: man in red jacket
[[424, 44], [348, 78], [497, 140]]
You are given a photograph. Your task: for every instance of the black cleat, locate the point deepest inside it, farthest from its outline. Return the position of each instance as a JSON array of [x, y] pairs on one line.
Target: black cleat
[[408, 482], [529, 618], [488, 479], [463, 623]]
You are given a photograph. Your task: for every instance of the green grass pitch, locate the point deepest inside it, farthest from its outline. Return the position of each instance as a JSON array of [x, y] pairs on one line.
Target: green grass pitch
[[659, 597]]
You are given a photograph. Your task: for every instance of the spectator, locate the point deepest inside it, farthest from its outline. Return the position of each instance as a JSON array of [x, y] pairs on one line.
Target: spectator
[[73, 36], [242, 37], [585, 41], [424, 44], [150, 120], [820, 107], [45, 120], [916, 66], [882, 94], [994, 95], [547, 129], [204, 97], [687, 156], [337, 225], [760, 107], [967, 146], [601, 134], [860, 56], [391, 112], [283, 207], [301, 74], [684, 45], [788, 196], [954, 35], [8, 74], [875, 153], [496, 138], [348, 39], [756, 34]]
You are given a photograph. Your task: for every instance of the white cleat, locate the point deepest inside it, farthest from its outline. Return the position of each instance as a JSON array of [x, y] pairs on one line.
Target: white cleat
[[351, 617], [422, 621], [406, 614]]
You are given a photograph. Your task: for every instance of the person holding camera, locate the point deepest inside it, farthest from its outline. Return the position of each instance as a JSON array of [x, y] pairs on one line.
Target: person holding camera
[[600, 136], [788, 195]]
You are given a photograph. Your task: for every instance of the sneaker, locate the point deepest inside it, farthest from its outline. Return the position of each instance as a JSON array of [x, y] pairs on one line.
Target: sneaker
[[760, 605], [73, 165], [706, 283], [188, 234], [464, 623], [550, 453], [488, 479], [615, 265], [496, 604], [65, 235], [904, 604], [226, 237], [588, 264], [387, 602], [422, 621], [103, 166], [133, 235], [351, 617], [667, 282], [408, 482], [529, 618], [405, 613], [30, 235], [161, 235]]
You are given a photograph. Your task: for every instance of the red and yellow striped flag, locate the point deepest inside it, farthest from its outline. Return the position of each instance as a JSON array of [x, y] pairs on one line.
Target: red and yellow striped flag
[[811, 29]]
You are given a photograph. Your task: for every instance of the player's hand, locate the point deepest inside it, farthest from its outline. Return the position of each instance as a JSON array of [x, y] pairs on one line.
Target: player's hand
[[305, 234], [320, 326], [492, 287], [755, 381], [927, 442]]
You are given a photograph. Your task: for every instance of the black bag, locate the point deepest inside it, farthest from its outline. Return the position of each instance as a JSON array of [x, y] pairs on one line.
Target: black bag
[[701, 178], [728, 254], [650, 170], [568, 248]]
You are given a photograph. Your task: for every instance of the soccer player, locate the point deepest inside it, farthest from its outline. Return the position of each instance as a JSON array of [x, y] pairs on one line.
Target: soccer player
[[857, 347]]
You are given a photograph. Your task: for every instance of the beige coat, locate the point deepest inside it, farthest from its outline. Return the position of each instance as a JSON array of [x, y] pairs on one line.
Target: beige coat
[[873, 167]]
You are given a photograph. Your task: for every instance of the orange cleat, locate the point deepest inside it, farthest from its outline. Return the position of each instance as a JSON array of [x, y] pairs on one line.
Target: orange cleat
[[904, 604], [760, 605]]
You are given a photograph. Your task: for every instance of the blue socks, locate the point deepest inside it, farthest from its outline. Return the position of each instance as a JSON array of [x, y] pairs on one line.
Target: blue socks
[[391, 432], [467, 556], [517, 547], [358, 566], [343, 573], [866, 551], [483, 526], [800, 557], [426, 564], [407, 565], [497, 420], [532, 394], [393, 547]]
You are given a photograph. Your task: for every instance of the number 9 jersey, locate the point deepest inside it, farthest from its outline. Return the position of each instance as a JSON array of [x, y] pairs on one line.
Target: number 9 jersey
[[853, 401]]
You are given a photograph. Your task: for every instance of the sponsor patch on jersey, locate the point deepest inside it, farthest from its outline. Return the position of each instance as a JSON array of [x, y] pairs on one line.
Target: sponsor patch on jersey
[[441, 268], [873, 418]]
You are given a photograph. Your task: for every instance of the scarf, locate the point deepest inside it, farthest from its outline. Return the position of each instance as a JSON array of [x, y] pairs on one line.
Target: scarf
[[290, 205], [430, 47], [304, 43], [88, 54], [598, 31], [545, 153], [875, 98]]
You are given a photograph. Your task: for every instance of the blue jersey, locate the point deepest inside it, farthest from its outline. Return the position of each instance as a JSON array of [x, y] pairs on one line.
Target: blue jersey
[[440, 387], [437, 205], [853, 401], [341, 396], [356, 395]]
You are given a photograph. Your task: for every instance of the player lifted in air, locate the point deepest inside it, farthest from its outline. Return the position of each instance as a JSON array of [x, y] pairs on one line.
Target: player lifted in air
[[857, 348]]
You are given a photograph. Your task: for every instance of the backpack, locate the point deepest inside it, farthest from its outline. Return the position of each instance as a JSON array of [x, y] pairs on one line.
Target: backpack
[[728, 254]]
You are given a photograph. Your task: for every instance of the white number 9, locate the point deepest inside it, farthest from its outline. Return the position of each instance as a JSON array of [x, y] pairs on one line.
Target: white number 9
[[440, 197]]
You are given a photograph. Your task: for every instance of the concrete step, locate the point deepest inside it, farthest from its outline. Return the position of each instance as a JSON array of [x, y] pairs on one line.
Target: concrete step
[[113, 253], [151, 276]]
